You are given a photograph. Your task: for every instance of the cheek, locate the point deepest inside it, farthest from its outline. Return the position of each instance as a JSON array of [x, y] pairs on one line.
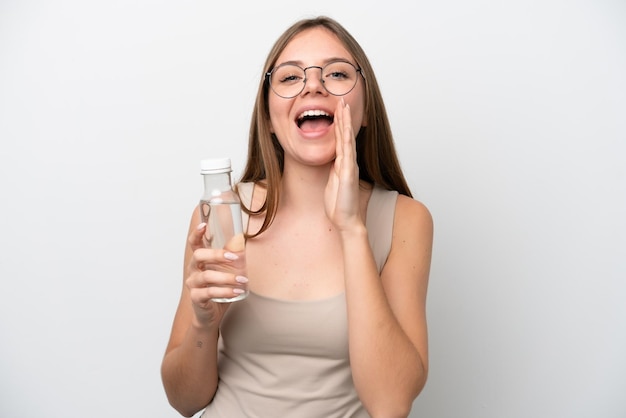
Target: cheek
[[358, 115], [279, 111], [359, 120], [356, 100]]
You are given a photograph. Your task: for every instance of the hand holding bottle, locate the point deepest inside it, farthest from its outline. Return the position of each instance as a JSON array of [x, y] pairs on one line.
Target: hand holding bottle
[[214, 273]]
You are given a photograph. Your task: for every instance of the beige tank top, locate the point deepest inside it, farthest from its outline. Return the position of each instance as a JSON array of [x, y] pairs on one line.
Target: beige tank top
[[282, 358]]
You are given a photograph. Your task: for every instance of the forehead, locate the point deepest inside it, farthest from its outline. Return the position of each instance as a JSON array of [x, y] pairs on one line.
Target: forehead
[[314, 46]]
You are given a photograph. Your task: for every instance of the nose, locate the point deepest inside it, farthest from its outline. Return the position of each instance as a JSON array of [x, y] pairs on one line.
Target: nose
[[313, 84]]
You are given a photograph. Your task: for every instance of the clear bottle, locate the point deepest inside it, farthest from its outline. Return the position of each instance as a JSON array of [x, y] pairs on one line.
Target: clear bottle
[[220, 208]]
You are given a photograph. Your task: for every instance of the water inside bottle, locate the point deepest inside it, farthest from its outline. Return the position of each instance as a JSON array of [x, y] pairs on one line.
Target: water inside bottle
[[223, 222]]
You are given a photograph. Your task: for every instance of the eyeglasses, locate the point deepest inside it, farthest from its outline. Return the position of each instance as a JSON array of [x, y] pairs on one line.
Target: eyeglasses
[[337, 77]]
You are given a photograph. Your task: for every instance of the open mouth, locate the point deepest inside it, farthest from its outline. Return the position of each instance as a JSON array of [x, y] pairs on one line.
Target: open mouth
[[314, 120]]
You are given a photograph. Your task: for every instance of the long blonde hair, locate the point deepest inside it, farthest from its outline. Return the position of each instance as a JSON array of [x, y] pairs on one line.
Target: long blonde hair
[[376, 154]]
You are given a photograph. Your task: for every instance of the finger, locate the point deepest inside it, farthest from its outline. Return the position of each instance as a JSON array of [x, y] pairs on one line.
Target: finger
[[196, 237], [339, 131], [214, 284], [349, 168], [343, 162], [214, 278], [208, 258], [349, 142], [203, 296], [236, 244]]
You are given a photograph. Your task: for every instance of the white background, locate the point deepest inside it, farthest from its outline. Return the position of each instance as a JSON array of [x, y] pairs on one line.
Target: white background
[[509, 118]]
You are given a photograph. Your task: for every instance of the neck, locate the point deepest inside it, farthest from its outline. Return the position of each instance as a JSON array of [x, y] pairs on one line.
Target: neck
[[302, 188]]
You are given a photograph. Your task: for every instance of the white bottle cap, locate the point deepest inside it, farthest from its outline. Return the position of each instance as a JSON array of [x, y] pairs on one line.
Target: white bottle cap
[[215, 165]]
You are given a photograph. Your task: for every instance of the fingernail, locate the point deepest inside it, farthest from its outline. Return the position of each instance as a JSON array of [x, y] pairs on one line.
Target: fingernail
[[200, 226], [230, 256], [241, 279], [343, 102], [238, 291]]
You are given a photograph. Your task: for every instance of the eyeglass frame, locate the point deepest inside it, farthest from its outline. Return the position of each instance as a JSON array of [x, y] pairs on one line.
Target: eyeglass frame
[[268, 77]]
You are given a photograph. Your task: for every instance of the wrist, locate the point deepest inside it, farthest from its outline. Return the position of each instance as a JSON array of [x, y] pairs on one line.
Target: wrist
[[357, 231], [203, 328]]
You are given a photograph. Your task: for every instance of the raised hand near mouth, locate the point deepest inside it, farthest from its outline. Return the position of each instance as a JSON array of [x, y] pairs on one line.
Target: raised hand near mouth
[[342, 190]]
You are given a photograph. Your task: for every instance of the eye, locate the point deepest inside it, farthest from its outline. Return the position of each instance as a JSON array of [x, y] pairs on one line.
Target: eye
[[339, 71], [289, 78], [288, 74], [338, 75]]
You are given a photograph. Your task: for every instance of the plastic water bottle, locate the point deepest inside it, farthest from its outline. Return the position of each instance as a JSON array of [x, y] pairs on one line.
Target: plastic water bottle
[[220, 208]]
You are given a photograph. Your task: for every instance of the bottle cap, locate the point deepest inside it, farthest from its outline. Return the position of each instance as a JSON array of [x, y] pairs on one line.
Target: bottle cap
[[215, 165]]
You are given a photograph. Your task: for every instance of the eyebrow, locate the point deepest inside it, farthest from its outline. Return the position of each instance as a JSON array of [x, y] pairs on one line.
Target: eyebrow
[[326, 61]]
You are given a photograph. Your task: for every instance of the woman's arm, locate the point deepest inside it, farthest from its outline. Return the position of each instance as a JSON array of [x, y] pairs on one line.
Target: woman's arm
[[189, 369], [387, 314]]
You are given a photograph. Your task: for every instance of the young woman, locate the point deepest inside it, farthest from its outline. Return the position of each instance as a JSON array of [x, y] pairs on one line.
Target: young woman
[[337, 255]]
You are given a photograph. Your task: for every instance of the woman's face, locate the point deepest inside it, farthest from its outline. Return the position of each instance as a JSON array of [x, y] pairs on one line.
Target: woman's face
[[311, 140]]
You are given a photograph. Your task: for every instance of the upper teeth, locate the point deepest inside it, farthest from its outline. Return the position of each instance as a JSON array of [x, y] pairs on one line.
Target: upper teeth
[[316, 112]]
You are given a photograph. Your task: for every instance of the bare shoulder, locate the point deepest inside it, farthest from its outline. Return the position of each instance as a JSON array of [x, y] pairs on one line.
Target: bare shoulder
[[405, 275], [412, 216]]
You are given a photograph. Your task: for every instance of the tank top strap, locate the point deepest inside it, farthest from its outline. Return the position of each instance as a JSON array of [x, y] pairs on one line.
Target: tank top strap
[[381, 210]]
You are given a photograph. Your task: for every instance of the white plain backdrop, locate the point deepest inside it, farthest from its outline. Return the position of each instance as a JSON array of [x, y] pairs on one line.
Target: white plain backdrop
[[509, 118]]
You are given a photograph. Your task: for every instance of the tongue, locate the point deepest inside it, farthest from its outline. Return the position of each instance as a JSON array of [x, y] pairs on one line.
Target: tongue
[[311, 125]]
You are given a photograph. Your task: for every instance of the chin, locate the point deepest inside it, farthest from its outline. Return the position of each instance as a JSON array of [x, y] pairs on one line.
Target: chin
[[319, 160]]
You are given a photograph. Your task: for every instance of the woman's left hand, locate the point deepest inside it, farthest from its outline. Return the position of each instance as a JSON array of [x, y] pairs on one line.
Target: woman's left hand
[[342, 190]]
